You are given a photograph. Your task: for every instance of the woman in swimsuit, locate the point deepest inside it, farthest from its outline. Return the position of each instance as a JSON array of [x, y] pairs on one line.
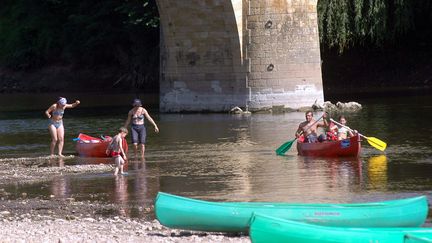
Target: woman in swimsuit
[[342, 132], [136, 115], [55, 125]]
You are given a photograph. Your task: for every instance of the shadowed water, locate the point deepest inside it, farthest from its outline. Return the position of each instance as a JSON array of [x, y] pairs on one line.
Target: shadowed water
[[224, 157]]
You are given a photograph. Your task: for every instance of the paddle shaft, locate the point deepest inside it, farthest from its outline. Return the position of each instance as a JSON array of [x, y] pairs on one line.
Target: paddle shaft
[[361, 135], [286, 146], [374, 142], [311, 125]]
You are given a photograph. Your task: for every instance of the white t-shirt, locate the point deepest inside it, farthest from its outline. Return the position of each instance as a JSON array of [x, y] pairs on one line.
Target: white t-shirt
[[342, 131]]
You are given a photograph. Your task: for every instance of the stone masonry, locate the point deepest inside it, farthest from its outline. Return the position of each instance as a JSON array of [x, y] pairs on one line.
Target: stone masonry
[[217, 54]]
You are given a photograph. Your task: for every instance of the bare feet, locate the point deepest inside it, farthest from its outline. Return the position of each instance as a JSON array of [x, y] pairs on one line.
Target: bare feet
[[61, 155]]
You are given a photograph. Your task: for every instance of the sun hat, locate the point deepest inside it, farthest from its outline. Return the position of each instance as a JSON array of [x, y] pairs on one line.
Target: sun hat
[[62, 101], [136, 102]]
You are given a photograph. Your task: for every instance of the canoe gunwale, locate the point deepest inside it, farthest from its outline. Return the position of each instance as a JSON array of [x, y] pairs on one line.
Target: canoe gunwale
[[194, 214], [380, 204], [91, 148], [350, 147], [264, 228]]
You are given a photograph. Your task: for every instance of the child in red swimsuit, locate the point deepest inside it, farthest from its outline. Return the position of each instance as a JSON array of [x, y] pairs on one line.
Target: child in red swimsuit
[[115, 149]]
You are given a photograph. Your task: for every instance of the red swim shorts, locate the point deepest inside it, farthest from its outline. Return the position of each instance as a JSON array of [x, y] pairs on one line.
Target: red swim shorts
[[115, 154]]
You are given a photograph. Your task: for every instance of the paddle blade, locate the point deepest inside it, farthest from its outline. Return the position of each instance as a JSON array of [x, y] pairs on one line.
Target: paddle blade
[[285, 147], [376, 143]]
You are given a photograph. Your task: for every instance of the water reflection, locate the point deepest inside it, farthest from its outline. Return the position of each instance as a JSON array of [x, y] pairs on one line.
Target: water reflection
[[99, 160], [60, 187], [377, 172], [145, 190], [93, 161], [134, 194], [346, 170], [337, 176], [121, 197], [56, 161]]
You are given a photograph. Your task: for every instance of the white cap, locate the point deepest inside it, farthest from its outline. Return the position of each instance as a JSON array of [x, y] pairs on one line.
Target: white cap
[[62, 101]]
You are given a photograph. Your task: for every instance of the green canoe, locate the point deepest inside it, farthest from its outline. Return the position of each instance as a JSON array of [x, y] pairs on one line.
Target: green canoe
[[268, 229], [185, 213]]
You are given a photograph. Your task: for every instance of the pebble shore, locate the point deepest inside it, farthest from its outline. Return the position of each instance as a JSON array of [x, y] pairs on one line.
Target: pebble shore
[[26, 219], [46, 229]]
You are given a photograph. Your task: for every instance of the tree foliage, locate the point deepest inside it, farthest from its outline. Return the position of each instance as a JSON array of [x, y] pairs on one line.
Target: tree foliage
[[34, 33], [347, 23], [87, 33]]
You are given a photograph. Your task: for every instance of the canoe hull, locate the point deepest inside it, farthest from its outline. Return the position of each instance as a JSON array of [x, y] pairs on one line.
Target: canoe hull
[[271, 229], [345, 148], [88, 146], [185, 213]]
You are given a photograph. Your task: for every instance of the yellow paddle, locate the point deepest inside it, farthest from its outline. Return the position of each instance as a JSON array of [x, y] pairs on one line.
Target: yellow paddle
[[374, 142]]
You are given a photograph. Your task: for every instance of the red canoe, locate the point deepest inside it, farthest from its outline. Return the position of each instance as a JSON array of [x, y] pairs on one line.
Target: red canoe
[[344, 148], [88, 146]]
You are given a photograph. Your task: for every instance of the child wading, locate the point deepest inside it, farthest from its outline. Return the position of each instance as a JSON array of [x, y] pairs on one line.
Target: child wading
[[115, 149]]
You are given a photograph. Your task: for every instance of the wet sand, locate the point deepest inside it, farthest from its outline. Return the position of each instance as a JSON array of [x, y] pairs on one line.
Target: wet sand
[[52, 219]]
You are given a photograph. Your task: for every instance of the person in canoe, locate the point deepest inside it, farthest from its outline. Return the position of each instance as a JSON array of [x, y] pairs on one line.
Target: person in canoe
[[136, 116], [55, 126], [342, 132], [115, 149], [309, 129], [332, 133]]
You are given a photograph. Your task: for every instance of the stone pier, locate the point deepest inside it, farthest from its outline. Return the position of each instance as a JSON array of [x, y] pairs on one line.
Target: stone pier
[[217, 54]]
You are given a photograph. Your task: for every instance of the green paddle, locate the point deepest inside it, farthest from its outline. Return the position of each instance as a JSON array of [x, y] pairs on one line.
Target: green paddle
[[286, 146]]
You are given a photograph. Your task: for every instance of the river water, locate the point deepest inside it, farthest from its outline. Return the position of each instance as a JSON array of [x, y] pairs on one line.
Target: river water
[[222, 157]]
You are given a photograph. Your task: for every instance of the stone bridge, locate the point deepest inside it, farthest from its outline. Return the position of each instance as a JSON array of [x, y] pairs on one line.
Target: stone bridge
[[217, 54]]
